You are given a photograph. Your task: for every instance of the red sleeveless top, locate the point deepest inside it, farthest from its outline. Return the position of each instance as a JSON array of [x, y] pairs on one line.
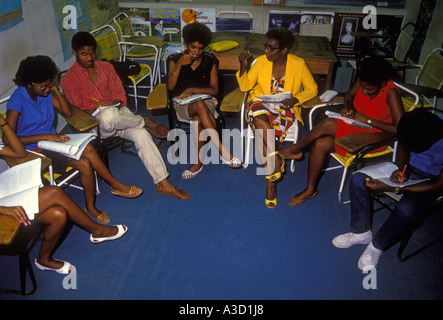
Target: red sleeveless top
[[376, 108]]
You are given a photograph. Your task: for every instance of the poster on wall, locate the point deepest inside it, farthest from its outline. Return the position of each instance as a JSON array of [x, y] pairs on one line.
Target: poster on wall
[[11, 13], [202, 15], [350, 37], [288, 19], [166, 22], [140, 20]]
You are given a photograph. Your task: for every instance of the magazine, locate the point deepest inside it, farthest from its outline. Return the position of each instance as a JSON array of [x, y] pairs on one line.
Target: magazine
[[383, 171], [99, 109], [19, 186], [276, 98], [193, 98], [348, 120], [73, 148]]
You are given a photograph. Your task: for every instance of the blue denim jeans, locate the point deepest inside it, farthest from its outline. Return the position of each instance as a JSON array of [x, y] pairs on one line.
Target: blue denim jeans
[[401, 219]]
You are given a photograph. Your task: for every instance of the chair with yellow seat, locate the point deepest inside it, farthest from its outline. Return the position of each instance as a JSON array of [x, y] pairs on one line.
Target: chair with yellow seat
[[360, 146], [110, 48], [127, 34], [429, 79]]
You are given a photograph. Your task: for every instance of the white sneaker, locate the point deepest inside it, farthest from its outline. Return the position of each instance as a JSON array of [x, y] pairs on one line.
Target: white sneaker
[[347, 240], [369, 258]]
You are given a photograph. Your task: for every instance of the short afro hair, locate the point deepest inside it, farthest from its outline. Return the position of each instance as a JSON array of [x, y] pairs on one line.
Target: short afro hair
[[375, 70], [35, 69], [419, 129], [82, 39], [283, 36], [197, 31]]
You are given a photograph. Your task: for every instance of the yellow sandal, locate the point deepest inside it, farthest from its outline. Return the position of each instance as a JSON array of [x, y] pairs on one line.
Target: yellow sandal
[[269, 202], [276, 175]]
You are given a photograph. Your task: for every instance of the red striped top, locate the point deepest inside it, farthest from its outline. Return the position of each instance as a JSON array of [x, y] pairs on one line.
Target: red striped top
[[81, 91]]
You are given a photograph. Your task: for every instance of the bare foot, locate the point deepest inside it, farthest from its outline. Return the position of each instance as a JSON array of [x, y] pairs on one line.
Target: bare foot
[[156, 129], [167, 189]]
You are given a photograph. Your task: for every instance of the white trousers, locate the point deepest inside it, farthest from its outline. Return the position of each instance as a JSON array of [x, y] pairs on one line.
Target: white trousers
[[123, 123]]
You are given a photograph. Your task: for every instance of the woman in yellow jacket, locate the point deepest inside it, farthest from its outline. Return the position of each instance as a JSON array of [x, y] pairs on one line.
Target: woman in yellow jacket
[[275, 72]]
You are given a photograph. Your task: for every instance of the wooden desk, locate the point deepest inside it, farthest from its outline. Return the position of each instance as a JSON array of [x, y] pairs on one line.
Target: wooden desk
[[8, 229], [317, 102], [316, 51], [46, 162], [356, 142], [81, 120]]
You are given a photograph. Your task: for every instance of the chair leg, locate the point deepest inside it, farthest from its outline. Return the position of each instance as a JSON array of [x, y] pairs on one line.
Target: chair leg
[[247, 150], [135, 98], [26, 267], [404, 242], [342, 185]]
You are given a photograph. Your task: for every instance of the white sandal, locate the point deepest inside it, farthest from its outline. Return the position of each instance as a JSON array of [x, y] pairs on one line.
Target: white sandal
[[189, 175], [66, 269], [121, 232], [234, 163]]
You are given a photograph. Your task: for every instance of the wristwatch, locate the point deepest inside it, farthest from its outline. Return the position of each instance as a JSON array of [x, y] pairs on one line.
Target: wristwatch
[[369, 121], [397, 190]]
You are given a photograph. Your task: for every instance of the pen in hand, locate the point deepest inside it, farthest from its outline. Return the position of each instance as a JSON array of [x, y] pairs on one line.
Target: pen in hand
[[403, 173]]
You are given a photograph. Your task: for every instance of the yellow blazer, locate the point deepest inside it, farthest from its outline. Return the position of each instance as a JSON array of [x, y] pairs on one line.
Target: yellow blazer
[[298, 80]]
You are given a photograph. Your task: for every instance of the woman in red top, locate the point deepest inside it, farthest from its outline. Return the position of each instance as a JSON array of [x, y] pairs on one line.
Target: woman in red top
[[372, 99]]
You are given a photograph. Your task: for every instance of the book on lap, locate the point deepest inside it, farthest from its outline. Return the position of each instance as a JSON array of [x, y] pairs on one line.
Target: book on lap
[[19, 186], [382, 171], [347, 120], [73, 148], [193, 98]]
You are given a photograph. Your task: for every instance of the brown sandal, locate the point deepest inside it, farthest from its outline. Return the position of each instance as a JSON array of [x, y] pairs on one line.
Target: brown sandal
[[102, 217], [297, 201], [134, 192]]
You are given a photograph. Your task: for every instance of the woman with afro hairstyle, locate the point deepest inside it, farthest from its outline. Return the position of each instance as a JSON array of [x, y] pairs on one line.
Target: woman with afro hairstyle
[[30, 113], [373, 99], [196, 72]]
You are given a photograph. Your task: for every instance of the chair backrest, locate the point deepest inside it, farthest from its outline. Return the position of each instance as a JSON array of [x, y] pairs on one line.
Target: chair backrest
[[233, 23], [404, 41], [409, 98], [431, 73], [3, 114], [124, 24], [108, 46]]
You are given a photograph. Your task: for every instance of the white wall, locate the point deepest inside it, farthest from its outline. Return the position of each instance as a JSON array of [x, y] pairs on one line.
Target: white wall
[[37, 35]]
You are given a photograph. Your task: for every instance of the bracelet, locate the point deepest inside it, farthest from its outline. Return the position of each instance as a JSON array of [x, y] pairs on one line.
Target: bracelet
[[4, 124], [176, 73]]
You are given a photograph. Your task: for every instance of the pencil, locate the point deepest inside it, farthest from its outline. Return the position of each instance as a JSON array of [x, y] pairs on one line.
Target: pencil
[[94, 99], [403, 173]]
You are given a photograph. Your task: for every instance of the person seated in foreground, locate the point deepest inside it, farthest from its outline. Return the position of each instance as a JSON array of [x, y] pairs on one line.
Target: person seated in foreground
[[373, 99], [31, 113], [56, 210], [277, 71], [420, 149], [90, 84], [196, 72]]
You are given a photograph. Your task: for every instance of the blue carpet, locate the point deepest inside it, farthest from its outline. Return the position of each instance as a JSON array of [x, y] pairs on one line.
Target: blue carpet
[[224, 244]]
